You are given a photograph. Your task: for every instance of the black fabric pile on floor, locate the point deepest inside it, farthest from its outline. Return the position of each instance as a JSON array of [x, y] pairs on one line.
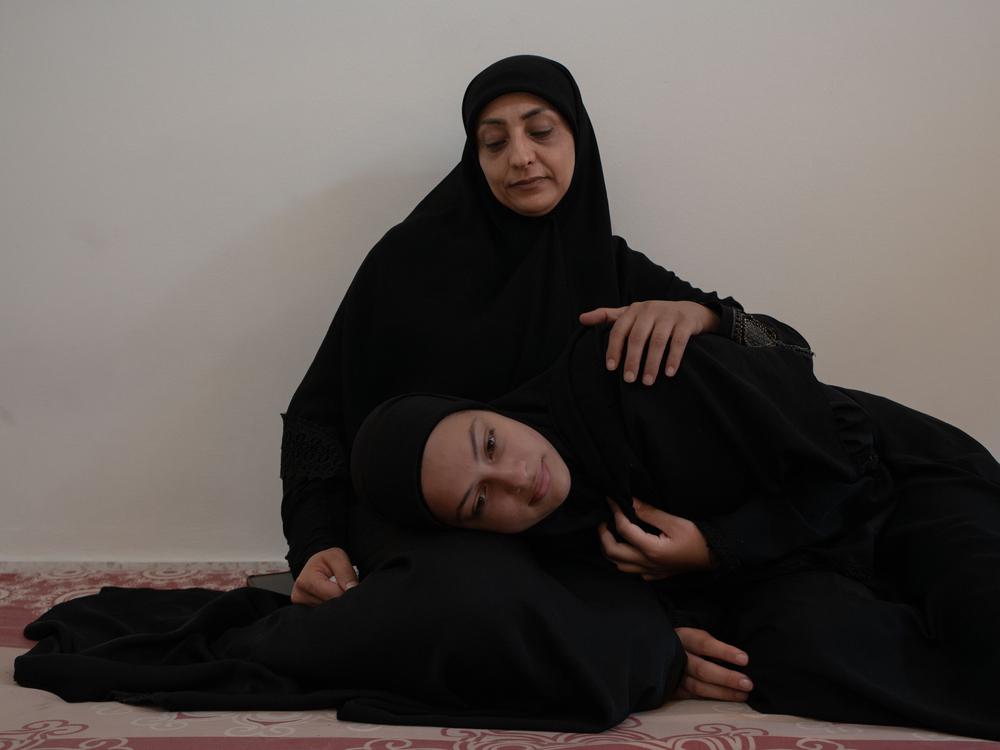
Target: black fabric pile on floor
[[593, 652]]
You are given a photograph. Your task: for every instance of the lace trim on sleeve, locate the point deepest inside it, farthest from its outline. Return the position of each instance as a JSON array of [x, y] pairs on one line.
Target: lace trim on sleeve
[[750, 331], [723, 555], [310, 452]]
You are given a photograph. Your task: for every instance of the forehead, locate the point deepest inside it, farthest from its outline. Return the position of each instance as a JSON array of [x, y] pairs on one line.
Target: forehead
[[512, 106], [447, 463]]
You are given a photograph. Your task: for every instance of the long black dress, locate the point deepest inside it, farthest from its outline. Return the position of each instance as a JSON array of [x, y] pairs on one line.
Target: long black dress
[[857, 541], [463, 296]]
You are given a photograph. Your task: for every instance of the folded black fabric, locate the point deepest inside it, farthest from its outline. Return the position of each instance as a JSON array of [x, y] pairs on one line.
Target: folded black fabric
[[587, 646]]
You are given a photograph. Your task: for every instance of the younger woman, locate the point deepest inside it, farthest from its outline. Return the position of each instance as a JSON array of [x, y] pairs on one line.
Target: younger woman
[[860, 539]]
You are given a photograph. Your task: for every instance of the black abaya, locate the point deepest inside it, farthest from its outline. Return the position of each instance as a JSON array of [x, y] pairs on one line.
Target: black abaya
[[858, 540], [917, 648]]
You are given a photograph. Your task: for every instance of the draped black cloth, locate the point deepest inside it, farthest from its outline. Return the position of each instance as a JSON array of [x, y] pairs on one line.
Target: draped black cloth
[[467, 297], [461, 660], [858, 539]]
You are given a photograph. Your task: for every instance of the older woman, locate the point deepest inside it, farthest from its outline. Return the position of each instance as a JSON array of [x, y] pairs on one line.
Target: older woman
[[475, 292]]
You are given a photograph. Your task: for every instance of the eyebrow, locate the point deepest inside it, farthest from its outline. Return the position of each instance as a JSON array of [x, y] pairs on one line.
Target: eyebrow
[[475, 457], [525, 116]]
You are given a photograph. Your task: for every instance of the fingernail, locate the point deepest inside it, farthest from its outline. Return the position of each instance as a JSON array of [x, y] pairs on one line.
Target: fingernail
[[670, 371], [629, 376], [745, 684], [350, 585], [647, 379], [611, 364], [741, 658]]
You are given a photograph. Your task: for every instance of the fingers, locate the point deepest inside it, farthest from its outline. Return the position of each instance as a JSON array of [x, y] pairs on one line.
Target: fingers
[[701, 643], [658, 339], [708, 680], [638, 335], [704, 679], [600, 315], [618, 335], [698, 689], [344, 572], [652, 515], [648, 545], [622, 554], [678, 341], [314, 585]]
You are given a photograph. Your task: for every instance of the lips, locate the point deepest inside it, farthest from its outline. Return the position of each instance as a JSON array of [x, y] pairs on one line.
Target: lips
[[527, 182], [542, 481]]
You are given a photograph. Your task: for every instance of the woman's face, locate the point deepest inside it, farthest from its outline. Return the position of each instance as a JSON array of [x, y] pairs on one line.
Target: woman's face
[[484, 471], [526, 152]]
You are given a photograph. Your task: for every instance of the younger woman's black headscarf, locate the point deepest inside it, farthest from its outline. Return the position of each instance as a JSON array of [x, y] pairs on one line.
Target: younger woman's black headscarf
[[465, 296]]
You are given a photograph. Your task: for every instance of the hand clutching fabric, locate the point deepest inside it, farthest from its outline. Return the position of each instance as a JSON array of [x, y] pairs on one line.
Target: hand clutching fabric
[[653, 322], [679, 547], [326, 575]]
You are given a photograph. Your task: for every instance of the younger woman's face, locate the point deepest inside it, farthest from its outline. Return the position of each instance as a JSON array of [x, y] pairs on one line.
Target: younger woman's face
[[484, 471], [526, 152]]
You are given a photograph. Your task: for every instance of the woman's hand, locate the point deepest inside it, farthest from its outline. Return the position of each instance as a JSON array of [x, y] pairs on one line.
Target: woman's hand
[[313, 586], [679, 547], [703, 678], [656, 322]]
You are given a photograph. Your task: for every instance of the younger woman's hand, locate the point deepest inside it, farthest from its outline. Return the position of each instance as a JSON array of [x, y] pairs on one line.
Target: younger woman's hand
[[679, 547], [655, 322], [704, 678]]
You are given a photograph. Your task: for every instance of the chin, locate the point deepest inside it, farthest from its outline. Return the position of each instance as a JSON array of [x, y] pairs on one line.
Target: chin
[[537, 207]]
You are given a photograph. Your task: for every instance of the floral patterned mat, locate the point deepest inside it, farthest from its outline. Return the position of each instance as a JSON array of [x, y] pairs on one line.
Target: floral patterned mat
[[40, 721]]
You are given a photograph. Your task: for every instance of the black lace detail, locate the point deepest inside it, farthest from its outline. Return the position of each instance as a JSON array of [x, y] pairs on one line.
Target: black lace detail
[[310, 452], [723, 556], [753, 332]]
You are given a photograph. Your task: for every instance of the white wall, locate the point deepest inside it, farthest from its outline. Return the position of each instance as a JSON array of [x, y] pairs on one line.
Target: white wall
[[186, 189]]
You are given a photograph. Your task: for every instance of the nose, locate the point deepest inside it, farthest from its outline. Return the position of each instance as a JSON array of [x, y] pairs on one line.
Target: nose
[[513, 476], [522, 151]]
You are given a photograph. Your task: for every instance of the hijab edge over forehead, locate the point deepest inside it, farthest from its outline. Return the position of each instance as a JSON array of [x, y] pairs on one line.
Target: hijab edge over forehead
[[539, 76], [388, 451]]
